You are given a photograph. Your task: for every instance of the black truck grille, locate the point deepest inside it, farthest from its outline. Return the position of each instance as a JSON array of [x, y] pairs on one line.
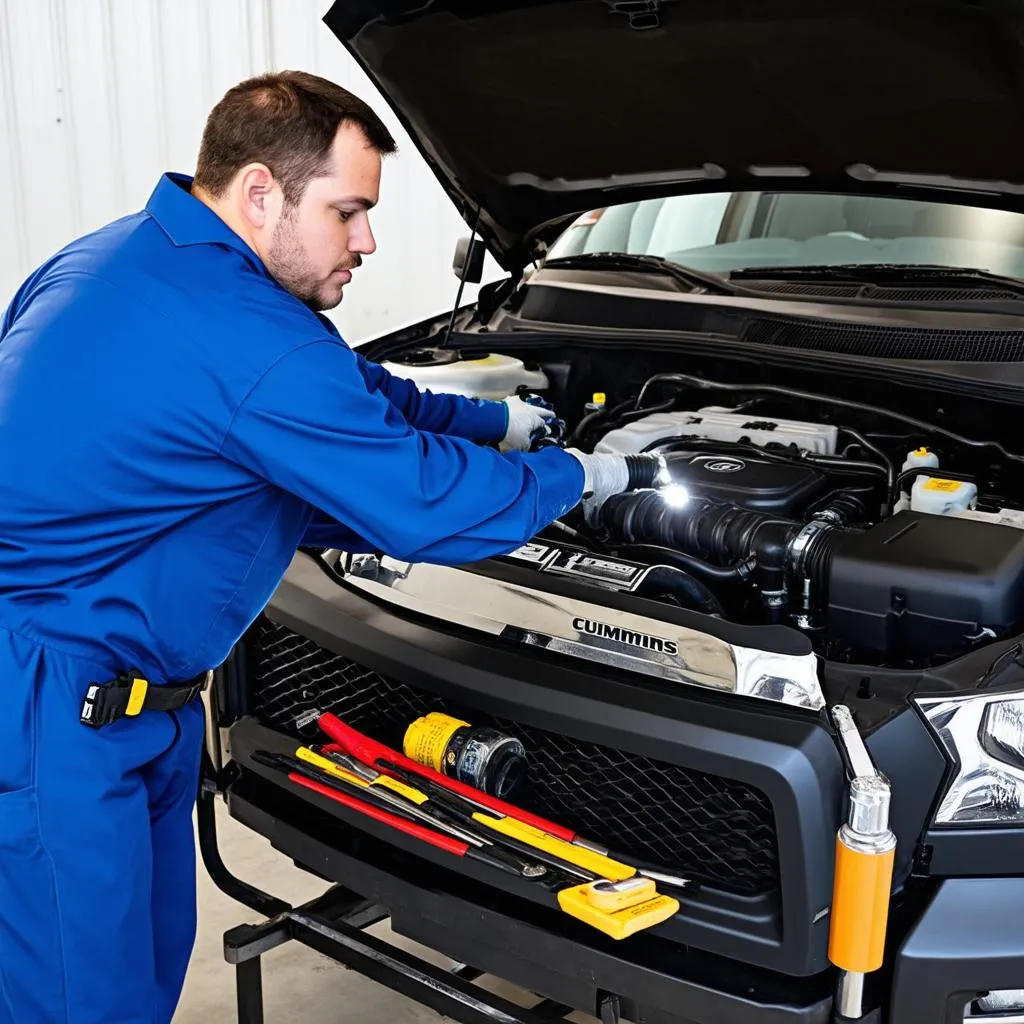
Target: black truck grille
[[705, 827]]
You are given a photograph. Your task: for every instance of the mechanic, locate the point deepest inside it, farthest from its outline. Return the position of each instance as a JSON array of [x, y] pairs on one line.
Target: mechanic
[[177, 416]]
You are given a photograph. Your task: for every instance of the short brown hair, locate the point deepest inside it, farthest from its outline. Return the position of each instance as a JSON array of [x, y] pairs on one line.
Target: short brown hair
[[286, 120]]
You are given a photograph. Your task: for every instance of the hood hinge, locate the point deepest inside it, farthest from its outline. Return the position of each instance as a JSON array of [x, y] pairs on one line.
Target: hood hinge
[[642, 14]]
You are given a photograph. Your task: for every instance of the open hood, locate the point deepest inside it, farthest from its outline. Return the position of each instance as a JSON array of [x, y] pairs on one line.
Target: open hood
[[531, 111]]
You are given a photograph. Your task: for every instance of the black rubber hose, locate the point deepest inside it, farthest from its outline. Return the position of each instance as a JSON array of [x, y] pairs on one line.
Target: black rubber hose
[[687, 563], [713, 531], [682, 585], [890, 468], [578, 435], [841, 403], [581, 428], [643, 471], [638, 414]]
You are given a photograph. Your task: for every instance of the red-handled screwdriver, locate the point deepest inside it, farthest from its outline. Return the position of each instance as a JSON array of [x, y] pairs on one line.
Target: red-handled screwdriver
[[447, 843]]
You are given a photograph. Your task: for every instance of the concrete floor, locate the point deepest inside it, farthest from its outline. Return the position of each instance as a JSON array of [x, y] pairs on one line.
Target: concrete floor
[[298, 984]]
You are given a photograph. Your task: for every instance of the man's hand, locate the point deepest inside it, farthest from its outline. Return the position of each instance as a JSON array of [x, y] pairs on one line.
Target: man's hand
[[525, 424], [606, 474]]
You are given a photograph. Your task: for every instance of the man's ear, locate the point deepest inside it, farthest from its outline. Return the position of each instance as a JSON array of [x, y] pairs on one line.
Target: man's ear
[[257, 188]]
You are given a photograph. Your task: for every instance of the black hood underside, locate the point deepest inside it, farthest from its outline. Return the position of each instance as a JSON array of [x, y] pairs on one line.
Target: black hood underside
[[531, 111]]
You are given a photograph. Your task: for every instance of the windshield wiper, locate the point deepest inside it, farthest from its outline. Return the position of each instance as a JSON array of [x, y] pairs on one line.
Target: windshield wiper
[[695, 280], [885, 274]]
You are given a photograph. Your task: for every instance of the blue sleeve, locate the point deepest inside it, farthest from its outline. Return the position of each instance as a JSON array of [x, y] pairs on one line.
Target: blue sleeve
[[472, 418], [325, 532], [311, 426]]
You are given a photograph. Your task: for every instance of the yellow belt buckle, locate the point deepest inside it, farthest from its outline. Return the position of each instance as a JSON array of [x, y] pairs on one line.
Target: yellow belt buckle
[[140, 687]]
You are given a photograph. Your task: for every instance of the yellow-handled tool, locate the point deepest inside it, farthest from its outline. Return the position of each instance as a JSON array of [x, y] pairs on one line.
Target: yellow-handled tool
[[361, 779], [390, 791], [596, 864]]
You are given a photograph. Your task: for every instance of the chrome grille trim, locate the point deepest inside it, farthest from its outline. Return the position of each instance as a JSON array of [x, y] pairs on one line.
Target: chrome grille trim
[[580, 629]]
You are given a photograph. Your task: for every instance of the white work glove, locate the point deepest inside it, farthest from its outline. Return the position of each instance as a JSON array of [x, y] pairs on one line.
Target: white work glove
[[524, 421], [604, 474]]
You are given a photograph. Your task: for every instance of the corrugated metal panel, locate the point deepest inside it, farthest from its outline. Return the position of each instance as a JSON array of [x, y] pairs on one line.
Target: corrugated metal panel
[[98, 97]]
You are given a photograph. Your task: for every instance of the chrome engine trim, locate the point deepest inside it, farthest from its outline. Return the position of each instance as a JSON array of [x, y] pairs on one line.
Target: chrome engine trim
[[592, 632]]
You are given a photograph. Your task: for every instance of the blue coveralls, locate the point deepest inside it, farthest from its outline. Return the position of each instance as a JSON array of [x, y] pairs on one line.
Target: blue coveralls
[[173, 425]]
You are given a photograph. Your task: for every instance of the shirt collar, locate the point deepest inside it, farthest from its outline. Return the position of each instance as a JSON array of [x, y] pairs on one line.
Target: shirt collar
[[189, 221]]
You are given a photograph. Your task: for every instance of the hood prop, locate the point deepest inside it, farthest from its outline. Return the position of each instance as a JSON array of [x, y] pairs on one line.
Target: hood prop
[[468, 265]]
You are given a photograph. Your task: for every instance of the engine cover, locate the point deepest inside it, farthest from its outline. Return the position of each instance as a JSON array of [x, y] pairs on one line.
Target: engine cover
[[718, 425], [757, 484]]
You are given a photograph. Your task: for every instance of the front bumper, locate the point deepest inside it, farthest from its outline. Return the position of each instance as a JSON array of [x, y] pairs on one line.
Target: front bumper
[[968, 940], [532, 947]]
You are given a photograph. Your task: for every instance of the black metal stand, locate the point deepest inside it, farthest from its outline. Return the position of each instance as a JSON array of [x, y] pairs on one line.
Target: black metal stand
[[333, 925]]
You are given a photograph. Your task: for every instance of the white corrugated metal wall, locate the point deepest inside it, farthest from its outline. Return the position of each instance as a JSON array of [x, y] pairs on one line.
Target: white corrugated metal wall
[[98, 97]]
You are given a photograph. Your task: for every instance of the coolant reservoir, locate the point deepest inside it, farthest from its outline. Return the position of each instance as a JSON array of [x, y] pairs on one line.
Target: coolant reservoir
[[918, 457], [942, 497], [491, 376]]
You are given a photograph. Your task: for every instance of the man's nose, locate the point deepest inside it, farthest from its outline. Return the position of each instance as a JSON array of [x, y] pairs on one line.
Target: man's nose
[[362, 242]]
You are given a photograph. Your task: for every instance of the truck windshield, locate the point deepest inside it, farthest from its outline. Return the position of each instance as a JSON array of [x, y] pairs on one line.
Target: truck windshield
[[725, 231]]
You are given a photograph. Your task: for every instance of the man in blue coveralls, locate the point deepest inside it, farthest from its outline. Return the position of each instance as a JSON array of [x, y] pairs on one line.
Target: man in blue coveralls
[[176, 417]]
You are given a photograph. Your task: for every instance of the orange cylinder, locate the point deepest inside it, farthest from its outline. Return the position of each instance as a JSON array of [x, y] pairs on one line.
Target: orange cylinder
[[860, 907]]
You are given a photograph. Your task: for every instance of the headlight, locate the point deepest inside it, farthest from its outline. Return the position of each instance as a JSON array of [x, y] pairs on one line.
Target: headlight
[[985, 737]]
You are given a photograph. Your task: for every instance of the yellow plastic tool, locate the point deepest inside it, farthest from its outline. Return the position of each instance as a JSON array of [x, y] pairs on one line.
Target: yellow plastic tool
[[603, 867], [621, 923], [384, 781], [611, 896]]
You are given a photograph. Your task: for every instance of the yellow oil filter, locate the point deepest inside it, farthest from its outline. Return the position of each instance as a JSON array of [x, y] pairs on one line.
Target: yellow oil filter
[[477, 756], [426, 740]]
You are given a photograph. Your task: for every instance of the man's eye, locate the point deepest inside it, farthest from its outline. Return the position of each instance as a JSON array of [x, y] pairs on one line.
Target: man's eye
[[344, 214]]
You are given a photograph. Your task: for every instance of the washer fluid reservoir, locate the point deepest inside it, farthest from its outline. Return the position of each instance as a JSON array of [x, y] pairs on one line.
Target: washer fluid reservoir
[[491, 375], [942, 497]]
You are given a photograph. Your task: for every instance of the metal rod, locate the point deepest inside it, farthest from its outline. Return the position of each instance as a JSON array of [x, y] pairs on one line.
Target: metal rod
[[660, 876], [242, 892], [249, 991], [853, 743], [851, 995], [404, 972]]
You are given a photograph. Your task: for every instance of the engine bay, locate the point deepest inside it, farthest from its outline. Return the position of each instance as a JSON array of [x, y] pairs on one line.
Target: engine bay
[[883, 537]]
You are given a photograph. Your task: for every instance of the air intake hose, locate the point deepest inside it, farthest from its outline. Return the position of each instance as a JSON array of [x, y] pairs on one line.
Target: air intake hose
[[723, 534]]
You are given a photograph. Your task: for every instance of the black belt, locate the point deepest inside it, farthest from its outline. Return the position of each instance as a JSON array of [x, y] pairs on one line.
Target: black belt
[[131, 693]]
